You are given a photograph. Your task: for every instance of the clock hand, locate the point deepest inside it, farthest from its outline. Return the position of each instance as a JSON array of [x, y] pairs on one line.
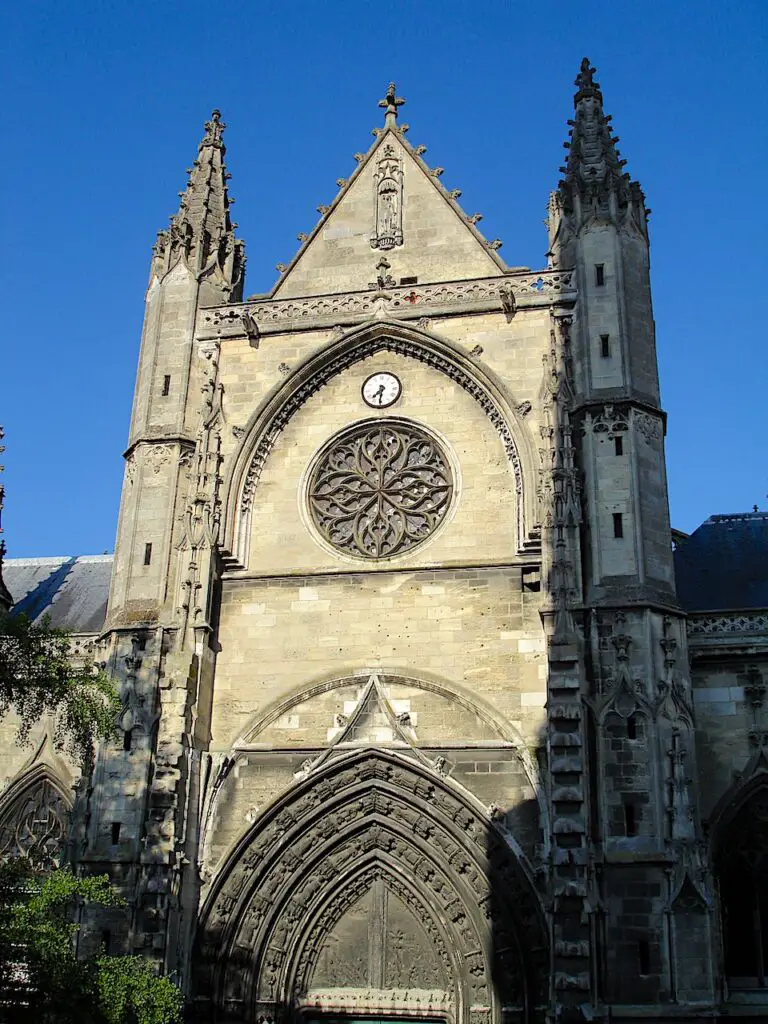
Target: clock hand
[[380, 394]]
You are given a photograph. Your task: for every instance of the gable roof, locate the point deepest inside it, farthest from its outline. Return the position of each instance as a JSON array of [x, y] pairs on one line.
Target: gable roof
[[72, 591], [723, 565], [439, 241]]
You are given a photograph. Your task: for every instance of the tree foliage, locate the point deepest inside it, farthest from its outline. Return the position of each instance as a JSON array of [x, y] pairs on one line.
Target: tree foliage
[[45, 982], [129, 990], [38, 677]]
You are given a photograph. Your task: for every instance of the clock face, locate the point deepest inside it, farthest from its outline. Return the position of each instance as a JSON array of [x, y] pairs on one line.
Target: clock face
[[381, 390]]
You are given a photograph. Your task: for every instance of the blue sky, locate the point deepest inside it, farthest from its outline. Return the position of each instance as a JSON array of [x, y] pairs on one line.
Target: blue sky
[[104, 106]]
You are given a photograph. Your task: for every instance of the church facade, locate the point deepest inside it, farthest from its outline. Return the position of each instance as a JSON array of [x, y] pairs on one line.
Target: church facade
[[418, 722]]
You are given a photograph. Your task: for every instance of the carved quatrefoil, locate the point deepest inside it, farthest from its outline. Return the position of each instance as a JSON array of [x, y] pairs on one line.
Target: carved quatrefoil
[[380, 489]]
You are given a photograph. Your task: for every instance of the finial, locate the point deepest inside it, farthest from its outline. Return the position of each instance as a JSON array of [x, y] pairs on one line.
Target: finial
[[214, 129], [390, 103], [586, 84]]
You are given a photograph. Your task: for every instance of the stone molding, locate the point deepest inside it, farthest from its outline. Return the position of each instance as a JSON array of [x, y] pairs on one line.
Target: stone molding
[[273, 316]]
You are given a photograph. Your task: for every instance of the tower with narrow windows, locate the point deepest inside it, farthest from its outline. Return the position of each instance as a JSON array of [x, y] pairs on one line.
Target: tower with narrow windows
[[408, 727]]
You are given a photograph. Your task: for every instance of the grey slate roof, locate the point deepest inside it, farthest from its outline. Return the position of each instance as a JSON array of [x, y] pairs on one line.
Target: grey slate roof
[[72, 591], [723, 565]]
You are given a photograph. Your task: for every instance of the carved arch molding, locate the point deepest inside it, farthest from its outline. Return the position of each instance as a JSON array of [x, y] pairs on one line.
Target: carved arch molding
[[375, 837], [392, 338]]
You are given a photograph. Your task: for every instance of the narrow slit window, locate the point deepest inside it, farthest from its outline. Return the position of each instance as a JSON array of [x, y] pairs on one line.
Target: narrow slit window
[[644, 956], [409, 280], [599, 274], [632, 727], [106, 939], [605, 345], [115, 833], [147, 554], [166, 385], [127, 739], [630, 820], [618, 443], [618, 524]]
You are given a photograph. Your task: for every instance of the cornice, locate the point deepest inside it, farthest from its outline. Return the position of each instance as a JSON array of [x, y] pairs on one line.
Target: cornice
[[504, 293], [727, 634], [144, 439]]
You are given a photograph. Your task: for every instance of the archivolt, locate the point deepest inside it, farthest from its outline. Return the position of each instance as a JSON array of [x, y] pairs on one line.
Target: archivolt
[[320, 368], [315, 850]]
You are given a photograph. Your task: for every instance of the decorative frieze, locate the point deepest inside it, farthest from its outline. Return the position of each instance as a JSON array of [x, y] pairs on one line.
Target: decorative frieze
[[505, 293], [741, 622]]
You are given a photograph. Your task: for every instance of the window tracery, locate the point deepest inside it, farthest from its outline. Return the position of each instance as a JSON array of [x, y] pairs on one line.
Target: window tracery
[[35, 826], [380, 489]]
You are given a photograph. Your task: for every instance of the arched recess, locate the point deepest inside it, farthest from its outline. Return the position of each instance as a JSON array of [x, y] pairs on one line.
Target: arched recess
[[466, 699], [316, 371], [739, 848], [34, 818], [373, 819]]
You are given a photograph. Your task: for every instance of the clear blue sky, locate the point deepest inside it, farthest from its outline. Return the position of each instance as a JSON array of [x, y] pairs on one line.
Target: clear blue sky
[[104, 106]]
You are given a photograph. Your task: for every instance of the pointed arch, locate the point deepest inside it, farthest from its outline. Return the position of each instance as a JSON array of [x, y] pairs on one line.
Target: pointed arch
[[753, 781], [34, 817], [372, 814], [321, 367], [740, 859]]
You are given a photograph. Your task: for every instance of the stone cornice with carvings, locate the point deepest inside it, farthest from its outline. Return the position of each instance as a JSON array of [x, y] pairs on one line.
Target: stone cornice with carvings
[[728, 634], [504, 294]]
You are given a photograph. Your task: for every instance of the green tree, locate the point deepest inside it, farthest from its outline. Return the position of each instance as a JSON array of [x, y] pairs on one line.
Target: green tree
[[38, 677], [43, 980]]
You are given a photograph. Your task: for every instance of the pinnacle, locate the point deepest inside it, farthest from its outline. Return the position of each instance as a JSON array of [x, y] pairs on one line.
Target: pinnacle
[[201, 231], [594, 169]]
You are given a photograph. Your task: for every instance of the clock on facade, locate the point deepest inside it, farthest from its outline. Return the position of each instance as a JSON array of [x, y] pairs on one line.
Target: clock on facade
[[381, 390]]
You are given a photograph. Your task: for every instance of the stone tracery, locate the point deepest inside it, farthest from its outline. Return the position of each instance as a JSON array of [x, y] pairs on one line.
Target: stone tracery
[[35, 825], [380, 489]]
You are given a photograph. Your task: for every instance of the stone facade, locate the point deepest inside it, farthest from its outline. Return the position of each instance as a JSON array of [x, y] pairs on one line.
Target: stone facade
[[409, 725]]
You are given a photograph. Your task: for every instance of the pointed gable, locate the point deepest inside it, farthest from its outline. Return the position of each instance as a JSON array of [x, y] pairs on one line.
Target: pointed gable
[[373, 721], [392, 206]]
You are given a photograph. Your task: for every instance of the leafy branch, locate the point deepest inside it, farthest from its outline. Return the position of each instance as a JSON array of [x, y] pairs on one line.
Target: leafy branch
[[38, 678]]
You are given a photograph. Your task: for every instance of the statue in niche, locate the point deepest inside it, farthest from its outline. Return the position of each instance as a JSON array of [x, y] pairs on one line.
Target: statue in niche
[[388, 212], [388, 208]]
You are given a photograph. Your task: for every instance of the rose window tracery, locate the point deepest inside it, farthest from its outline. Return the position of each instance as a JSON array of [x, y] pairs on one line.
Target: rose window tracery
[[380, 489]]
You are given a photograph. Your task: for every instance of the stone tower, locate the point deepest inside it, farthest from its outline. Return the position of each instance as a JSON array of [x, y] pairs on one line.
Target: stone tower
[[407, 725]]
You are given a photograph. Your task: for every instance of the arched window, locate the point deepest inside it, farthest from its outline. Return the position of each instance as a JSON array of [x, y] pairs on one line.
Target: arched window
[[742, 866], [34, 823]]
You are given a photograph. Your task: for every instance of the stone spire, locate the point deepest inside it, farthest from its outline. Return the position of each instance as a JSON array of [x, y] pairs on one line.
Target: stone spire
[[201, 232], [6, 599], [390, 103], [594, 173]]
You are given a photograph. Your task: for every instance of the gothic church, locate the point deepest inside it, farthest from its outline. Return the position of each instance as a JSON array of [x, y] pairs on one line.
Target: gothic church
[[427, 713]]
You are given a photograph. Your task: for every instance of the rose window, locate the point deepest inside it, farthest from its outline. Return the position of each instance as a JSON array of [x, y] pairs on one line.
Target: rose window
[[380, 489]]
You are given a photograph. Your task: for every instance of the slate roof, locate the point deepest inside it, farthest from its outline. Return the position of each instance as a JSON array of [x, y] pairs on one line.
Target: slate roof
[[72, 591], [723, 565]]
